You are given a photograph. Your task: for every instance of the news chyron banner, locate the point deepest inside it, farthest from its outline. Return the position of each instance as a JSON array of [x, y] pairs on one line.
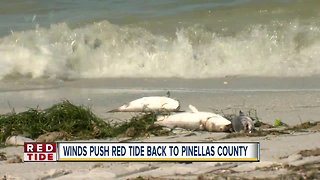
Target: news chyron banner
[[142, 151]]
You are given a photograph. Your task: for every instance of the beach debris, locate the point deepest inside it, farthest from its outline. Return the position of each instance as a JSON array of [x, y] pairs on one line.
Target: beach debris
[[305, 126], [77, 121], [315, 127], [255, 165], [17, 140], [66, 121], [151, 103], [262, 125], [52, 136], [98, 165], [195, 120], [3, 156], [242, 123], [257, 133], [291, 158], [14, 159], [8, 176], [278, 123], [311, 152], [55, 173], [141, 125], [309, 170]]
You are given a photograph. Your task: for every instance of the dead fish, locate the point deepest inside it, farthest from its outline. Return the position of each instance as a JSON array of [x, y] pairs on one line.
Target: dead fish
[[195, 120], [152, 103], [17, 140], [242, 122]]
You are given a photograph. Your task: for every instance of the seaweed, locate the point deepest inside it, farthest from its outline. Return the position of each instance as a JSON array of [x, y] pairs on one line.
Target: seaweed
[[78, 121], [75, 122], [140, 125], [313, 152], [305, 125], [66, 121], [3, 156], [257, 133]]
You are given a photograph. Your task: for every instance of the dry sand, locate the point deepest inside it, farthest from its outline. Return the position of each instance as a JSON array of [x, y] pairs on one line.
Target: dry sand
[[279, 157]]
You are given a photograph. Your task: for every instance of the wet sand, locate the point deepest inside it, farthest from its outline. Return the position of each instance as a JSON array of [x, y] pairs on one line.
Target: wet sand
[[292, 100]]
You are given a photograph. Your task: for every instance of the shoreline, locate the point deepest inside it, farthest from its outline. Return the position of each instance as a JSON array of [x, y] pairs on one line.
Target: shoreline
[[220, 83], [280, 154], [293, 100], [292, 107]]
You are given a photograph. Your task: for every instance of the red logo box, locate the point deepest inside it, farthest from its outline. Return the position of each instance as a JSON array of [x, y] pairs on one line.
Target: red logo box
[[40, 152]]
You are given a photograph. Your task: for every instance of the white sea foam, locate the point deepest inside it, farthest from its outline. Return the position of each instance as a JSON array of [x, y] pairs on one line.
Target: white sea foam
[[106, 50]]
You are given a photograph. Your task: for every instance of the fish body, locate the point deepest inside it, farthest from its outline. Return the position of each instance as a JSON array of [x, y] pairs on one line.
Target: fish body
[[195, 120], [151, 103]]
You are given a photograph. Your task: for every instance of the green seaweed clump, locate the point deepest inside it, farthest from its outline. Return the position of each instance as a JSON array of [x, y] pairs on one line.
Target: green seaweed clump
[[73, 122], [77, 121], [277, 123], [140, 125]]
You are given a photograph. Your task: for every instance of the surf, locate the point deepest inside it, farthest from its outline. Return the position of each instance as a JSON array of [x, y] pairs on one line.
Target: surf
[[106, 50]]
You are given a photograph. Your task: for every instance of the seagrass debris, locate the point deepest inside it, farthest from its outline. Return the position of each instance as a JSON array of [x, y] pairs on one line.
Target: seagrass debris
[[71, 122], [66, 121]]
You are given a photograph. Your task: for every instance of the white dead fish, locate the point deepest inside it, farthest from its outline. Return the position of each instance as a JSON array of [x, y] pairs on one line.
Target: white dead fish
[[212, 122], [242, 122], [17, 140], [152, 103], [195, 120], [185, 120], [217, 123]]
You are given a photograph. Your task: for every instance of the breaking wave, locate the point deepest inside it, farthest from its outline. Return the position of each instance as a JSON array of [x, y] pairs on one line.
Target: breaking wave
[[103, 50]]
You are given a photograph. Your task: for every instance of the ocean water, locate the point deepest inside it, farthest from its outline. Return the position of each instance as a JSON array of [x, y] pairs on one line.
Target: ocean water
[[191, 39]]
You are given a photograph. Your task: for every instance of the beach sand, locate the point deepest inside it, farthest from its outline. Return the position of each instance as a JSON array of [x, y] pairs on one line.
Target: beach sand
[[295, 101], [279, 157], [220, 56]]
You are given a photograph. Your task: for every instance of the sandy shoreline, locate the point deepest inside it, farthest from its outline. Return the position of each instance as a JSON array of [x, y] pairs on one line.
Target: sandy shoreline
[[279, 153], [66, 64], [293, 100]]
